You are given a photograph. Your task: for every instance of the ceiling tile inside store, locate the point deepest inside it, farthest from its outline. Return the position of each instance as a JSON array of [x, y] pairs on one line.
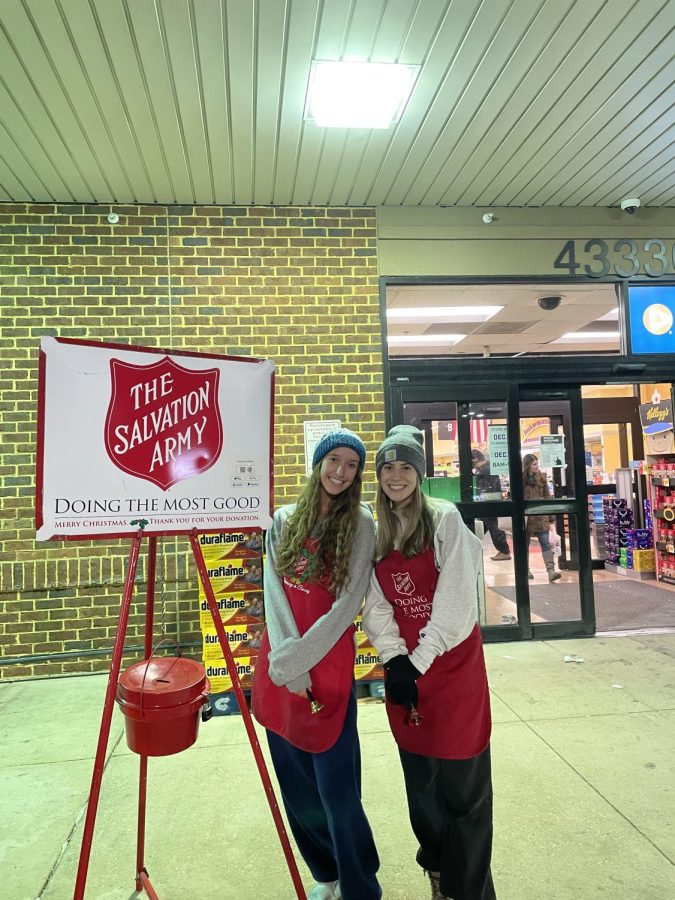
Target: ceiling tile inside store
[[521, 326]]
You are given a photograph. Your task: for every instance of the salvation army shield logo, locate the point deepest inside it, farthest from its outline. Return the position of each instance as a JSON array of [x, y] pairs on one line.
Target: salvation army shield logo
[[403, 583], [163, 422]]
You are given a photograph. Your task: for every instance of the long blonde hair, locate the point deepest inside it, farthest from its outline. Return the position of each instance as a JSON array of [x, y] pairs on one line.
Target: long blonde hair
[[418, 535], [335, 532]]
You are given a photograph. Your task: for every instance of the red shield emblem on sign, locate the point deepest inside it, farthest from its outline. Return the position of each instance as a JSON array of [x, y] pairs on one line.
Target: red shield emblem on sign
[[163, 422], [403, 583]]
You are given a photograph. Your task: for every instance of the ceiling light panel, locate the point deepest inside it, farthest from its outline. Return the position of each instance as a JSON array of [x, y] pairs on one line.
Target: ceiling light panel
[[358, 94], [416, 339], [596, 337], [444, 313]]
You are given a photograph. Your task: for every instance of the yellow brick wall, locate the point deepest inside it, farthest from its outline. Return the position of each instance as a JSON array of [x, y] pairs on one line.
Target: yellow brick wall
[[296, 285]]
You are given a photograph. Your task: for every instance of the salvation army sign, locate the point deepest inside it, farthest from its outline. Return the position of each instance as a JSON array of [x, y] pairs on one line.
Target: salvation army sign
[[179, 441], [163, 421]]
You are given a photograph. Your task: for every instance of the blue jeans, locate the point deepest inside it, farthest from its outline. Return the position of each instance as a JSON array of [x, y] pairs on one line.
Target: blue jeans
[[322, 798], [544, 542]]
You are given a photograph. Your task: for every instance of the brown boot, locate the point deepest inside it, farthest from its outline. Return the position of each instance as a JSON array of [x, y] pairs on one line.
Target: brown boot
[[435, 879]]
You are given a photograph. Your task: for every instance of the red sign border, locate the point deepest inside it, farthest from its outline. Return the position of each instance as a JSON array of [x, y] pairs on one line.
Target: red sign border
[[156, 351]]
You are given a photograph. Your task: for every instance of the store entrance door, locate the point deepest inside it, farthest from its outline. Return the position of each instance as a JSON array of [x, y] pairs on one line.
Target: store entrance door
[[612, 440], [476, 437]]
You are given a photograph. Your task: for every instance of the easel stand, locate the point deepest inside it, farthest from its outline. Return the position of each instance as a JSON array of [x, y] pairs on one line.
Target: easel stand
[[142, 877]]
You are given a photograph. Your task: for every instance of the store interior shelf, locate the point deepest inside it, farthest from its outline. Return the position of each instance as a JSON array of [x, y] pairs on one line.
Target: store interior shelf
[[666, 579], [663, 547], [631, 573]]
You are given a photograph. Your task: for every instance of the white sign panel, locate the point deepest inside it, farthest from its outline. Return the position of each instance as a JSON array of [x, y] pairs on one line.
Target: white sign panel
[[314, 431], [498, 449], [552, 451], [130, 435]]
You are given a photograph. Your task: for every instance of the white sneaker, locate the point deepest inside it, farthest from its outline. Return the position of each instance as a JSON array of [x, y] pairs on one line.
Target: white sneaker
[[325, 890]]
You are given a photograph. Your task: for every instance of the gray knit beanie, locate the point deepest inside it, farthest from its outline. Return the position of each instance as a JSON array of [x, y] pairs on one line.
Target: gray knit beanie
[[404, 443]]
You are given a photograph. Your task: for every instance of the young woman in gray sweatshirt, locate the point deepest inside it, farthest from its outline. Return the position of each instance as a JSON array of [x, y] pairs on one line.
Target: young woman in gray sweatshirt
[[421, 616], [319, 562]]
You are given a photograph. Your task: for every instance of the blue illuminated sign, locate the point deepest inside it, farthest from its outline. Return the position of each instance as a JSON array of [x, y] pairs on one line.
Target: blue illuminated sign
[[651, 316]]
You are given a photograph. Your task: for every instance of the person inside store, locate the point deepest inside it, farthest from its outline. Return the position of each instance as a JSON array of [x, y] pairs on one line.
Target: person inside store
[[490, 484], [535, 487], [421, 616], [319, 561]]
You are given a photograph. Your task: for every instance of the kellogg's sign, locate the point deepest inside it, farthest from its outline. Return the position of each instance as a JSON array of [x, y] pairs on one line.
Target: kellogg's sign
[[133, 433]]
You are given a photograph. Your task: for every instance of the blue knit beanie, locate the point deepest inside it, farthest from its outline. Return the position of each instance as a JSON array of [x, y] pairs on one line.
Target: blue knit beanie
[[341, 437]]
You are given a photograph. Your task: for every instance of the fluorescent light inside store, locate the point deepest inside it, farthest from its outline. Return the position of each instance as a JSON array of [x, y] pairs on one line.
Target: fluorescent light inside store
[[594, 337], [444, 313], [442, 339]]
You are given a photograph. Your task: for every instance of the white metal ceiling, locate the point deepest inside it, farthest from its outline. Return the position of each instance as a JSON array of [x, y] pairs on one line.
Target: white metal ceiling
[[518, 102]]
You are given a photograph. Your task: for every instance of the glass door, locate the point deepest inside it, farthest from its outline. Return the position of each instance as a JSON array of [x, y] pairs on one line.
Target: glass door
[[555, 512], [469, 446], [612, 441], [534, 536]]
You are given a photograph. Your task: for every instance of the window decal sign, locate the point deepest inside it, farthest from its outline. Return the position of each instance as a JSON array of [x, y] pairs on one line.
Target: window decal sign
[[498, 449], [552, 451]]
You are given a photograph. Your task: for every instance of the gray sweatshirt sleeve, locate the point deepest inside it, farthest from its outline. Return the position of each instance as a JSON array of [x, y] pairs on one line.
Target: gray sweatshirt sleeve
[[292, 656], [278, 616], [454, 611]]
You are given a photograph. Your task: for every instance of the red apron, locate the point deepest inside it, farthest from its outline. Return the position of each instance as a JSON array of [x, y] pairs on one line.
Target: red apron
[[286, 713], [454, 700]]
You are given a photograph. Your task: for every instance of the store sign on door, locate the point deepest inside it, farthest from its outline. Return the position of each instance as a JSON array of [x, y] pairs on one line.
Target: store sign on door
[[552, 451], [478, 430], [447, 430], [498, 450]]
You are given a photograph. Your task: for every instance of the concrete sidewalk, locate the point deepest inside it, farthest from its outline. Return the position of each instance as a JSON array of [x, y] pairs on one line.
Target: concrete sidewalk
[[584, 773]]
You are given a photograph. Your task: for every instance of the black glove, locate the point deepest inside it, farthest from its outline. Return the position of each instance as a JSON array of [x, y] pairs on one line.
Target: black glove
[[400, 670], [402, 694], [400, 684]]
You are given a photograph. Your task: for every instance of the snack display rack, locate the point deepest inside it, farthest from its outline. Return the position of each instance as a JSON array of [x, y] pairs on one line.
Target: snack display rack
[[662, 498]]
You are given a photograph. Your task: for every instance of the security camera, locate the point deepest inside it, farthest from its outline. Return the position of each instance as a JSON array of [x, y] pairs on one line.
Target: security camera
[[630, 204], [488, 218], [549, 303]]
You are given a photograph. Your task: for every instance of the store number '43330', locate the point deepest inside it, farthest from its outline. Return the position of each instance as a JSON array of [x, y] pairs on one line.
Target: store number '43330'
[[626, 258]]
